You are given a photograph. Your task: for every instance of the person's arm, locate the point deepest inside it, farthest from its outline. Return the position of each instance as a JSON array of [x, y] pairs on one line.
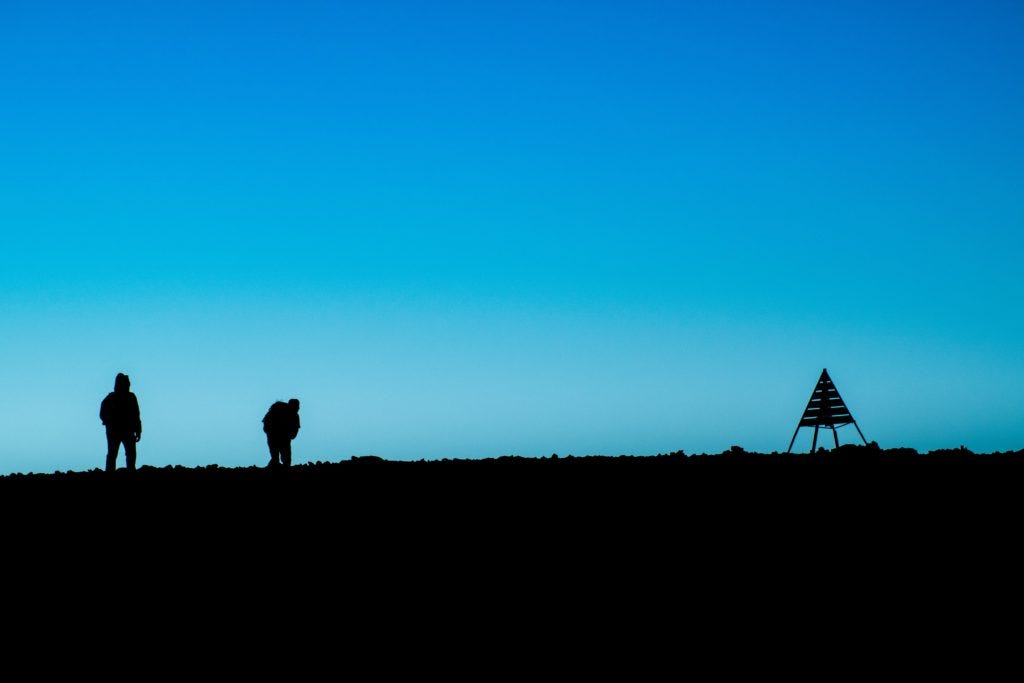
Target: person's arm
[[138, 418]]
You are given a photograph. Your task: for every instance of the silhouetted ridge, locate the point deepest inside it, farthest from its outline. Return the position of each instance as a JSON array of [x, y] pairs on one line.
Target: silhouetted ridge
[[368, 528]]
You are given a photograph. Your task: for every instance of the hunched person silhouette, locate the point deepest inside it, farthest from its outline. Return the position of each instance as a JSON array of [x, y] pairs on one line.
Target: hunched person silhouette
[[281, 424]]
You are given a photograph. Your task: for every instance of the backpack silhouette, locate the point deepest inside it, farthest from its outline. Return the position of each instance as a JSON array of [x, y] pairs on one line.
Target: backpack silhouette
[[277, 418]]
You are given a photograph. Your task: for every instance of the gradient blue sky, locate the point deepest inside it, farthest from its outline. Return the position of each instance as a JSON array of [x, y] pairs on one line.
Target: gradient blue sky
[[458, 229]]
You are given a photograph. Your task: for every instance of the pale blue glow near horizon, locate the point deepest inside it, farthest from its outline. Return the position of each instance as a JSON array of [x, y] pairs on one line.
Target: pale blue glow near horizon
[[463, 231]]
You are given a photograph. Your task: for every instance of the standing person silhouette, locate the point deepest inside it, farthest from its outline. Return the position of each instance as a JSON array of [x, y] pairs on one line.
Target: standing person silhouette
[[281, 424], [119, 412]]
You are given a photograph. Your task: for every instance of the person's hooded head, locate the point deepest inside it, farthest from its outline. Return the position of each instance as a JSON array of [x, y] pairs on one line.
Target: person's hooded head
[[121, 382], [294, 404]]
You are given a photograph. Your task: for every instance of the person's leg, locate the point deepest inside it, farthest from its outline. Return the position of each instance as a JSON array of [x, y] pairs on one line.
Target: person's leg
[[113, 440], [129, 451], [286, 453], [274, 450]]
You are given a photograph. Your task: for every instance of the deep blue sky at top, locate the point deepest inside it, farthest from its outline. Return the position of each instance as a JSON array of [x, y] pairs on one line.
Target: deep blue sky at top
[[471, 229]]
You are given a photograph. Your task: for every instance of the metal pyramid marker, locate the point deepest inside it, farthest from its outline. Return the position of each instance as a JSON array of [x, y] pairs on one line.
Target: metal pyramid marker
[[825, 409]]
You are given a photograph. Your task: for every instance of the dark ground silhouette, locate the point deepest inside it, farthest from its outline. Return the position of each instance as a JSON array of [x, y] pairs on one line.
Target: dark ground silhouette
[[673, 490], [622, 564]]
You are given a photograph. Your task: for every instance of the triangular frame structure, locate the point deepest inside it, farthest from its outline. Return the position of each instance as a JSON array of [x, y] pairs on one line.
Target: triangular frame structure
[[825, 409]]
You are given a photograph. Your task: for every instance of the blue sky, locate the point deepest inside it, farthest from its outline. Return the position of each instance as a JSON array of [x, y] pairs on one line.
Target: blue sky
[[460, 229]]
